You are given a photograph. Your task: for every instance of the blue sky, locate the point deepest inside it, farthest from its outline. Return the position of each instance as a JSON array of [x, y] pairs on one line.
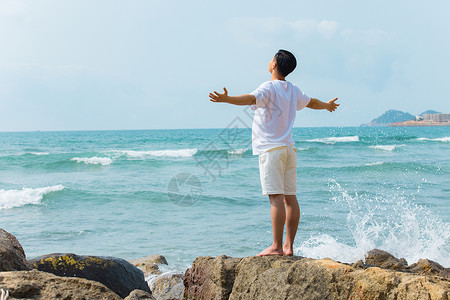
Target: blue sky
[[81, 65]]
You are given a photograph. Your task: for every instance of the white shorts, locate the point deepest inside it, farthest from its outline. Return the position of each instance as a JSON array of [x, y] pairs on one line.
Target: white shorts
[[278, 171]]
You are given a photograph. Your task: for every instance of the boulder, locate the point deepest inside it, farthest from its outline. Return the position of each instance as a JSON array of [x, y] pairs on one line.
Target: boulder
[[139, 295], [283, 277], [176, 292], [115, 273], [12, 256], [429, 267], [167, 286], [210, 278], [151, 259], [385, 260], [38, 285], [149, 264]]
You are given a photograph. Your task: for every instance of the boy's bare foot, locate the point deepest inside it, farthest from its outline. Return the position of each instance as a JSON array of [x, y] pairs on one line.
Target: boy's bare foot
[[270, 251], [288, 251]]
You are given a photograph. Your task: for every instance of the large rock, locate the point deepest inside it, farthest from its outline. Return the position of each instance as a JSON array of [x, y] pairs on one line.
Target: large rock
[[41, 285], [12, 256], [210, 278], [276, 277], [115, 273], [149, 264], [385, 260], [429, 267], [168, 286], [139, 295]]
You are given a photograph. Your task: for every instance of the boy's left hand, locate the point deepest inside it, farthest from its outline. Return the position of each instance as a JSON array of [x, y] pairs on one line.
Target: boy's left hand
[[332, 106], [217, 97]]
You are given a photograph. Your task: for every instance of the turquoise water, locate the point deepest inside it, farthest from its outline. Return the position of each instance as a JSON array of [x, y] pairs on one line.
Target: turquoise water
[[189, 193]]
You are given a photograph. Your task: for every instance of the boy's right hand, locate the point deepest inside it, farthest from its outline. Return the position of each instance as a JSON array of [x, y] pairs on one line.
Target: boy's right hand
[[217, 97]]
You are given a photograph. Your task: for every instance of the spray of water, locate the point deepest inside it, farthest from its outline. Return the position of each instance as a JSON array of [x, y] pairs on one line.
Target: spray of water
[[388, 222]]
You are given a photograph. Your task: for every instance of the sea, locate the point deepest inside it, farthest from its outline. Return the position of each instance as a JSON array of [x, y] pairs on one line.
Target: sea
[[196, 192]]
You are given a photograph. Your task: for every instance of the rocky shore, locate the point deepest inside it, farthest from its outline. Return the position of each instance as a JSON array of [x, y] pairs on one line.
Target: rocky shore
[[71, 276]]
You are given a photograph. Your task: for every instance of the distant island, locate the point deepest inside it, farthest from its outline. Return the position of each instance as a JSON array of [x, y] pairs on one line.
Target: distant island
[[397, 118]]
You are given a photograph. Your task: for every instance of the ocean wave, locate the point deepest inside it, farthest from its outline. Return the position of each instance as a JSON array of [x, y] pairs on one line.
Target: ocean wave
[[378, 163], [153, 153], [386, 147], [237, 151], [38, 153], [337, 139], [16, 198], [104, 161], [443, 140], [390, 222]]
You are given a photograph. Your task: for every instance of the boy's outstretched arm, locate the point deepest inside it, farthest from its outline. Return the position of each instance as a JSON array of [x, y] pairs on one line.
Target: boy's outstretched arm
[[317, 104], [236, 100]]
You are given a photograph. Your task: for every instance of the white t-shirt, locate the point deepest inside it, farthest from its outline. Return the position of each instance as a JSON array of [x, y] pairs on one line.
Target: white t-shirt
[[277, 102]]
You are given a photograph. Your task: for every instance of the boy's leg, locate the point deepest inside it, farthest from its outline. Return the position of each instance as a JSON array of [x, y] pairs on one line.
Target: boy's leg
[[292, 219], [278, 216]]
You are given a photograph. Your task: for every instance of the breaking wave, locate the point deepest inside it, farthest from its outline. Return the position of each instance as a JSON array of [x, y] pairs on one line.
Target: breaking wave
[[16, 198], [334, 140], [386, 147], [104, 161], [443, 140], [390, 222], [154, 153]]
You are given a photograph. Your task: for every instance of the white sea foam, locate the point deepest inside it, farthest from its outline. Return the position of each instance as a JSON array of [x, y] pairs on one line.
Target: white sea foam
[[378, 163], [337, 139], [154, 153], [302, 149], [386, 147], [104, 161], [444, 139], [39, 153], [237, 151], [390, 223], [15, 198]]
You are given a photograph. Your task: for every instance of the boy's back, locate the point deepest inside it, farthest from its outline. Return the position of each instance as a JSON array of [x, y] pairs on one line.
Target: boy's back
[[277, 102]]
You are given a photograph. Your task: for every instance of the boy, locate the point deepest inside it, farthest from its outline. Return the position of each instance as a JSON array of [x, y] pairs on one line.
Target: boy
[[275, 103]]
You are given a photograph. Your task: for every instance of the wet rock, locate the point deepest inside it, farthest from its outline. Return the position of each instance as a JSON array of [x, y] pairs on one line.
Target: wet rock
[[284, 277], [149, 264], [166, 286], [385, 260], [39, 285], [12, 256], [151, 259], [139, 295], [210, 278], [115, 273], [174, 293], [429, 267]]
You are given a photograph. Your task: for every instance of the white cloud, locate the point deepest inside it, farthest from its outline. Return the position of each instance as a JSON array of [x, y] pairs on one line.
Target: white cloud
[[325, 28]]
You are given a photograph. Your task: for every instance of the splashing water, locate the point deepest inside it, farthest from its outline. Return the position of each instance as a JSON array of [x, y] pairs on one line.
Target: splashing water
[[387, 222]]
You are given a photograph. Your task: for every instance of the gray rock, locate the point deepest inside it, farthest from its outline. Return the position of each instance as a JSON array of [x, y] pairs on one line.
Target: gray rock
[[175, 292], [12, 256], [139, 295], [115, 273], [162, 285], [39, 285], [385, 260]]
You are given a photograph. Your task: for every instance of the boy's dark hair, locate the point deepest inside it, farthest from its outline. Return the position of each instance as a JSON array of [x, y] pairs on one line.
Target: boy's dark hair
[[286, 62]]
